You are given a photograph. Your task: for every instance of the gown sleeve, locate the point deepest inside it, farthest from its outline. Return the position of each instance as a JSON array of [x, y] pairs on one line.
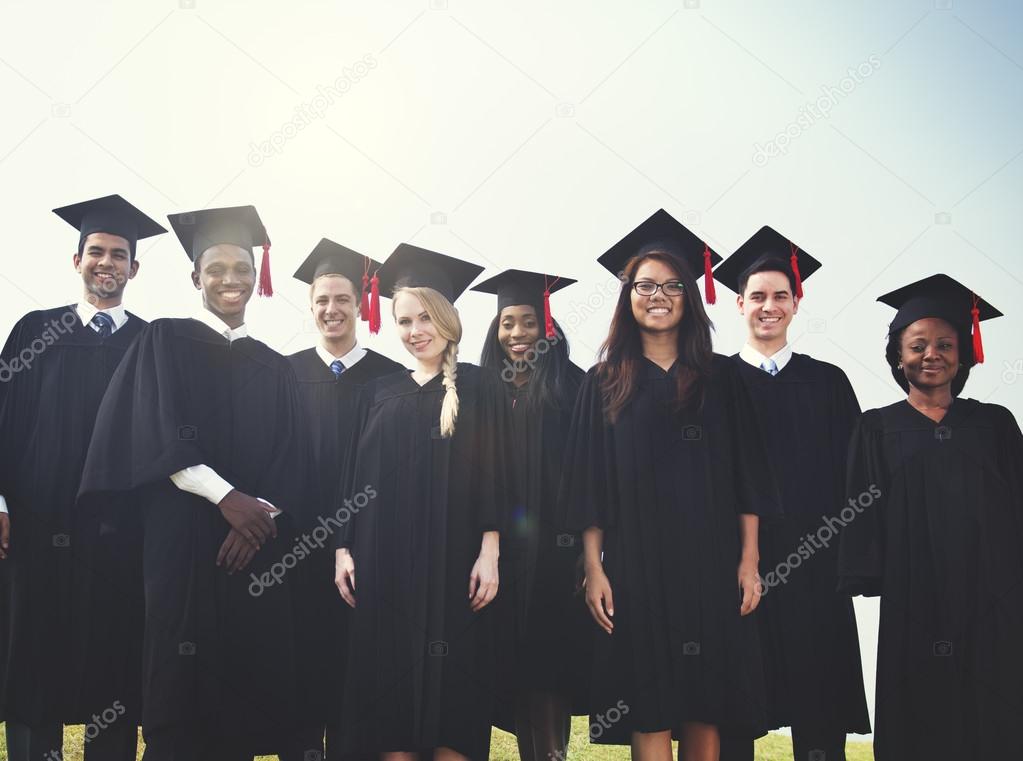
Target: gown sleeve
[[346, 534], [492, 484], [589, 494], [861, 547]]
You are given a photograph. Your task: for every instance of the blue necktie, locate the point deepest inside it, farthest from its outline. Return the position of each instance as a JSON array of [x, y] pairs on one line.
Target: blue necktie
[[104, 324], [769, 366], [337, 367]]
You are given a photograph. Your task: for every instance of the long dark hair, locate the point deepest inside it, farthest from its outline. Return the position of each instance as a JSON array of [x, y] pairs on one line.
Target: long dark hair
[[548, 383], [621, 354], [893, 355]]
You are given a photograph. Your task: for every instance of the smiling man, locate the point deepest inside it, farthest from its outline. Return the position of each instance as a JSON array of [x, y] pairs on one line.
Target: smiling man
[[72, 595], [806, 409], [208, 416], [329, 376]]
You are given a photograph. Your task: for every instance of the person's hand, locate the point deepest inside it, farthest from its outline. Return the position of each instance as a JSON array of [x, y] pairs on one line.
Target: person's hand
[[5, 534], [483, 581], [249, 517], [751, 586], [344, 575], [236, 552], [599, 598]]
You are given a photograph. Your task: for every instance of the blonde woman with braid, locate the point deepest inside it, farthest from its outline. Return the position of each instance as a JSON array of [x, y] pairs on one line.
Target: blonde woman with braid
[[419, 538]]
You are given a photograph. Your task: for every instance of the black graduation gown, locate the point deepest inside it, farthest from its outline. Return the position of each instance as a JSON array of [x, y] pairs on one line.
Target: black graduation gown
[[218, 648], [72, 608], [545, 624], [808, 635], [667, 492], [937, 536], [421, 663], [330, 405]]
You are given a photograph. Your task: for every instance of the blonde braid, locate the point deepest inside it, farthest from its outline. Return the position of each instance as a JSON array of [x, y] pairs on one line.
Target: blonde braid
[[449, 407]]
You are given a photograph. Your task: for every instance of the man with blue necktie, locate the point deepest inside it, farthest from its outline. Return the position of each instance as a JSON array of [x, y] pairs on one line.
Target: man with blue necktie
[[806, 410], [70, 610], [329, 378]]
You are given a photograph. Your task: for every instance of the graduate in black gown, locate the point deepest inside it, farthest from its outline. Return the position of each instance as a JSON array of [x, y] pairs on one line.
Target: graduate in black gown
[[329, 377], [418, 556], [542, 678], [200, 428], [935, 514], [807, 409], [666, 475], [72, 605]]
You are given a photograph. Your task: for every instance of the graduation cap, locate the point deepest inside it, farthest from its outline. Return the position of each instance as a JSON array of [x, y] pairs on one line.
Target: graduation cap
[[940, 296], [767, 246], [409, 266], [237, 225], [330, 258], [663, 229], [514, 287], [112, 215]]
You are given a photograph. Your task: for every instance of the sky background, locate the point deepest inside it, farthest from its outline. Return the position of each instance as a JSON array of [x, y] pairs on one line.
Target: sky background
[[534, 135]]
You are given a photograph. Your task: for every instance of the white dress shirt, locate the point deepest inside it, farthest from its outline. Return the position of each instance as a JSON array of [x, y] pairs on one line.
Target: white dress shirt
[[753, 357], [86, 312], [203, 480], [348, 360]]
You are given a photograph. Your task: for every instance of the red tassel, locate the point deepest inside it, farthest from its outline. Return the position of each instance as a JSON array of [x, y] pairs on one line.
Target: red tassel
[[266, 286], [794, 261], [374, 307], [978, 342], [708, 276], [548, 320], [364, 304]]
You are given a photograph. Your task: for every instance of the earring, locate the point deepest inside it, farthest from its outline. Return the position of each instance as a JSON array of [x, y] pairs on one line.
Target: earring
[[900, 365]]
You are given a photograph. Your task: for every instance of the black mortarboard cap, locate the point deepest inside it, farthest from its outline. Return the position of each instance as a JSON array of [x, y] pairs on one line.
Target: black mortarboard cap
[[663, 229], [238, 225], [409, 266], [514, 287], [767, 245], [330, 258], [112, 215], [943, 297]]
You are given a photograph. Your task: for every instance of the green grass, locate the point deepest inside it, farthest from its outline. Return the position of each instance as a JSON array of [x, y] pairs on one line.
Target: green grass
[[771, 748]]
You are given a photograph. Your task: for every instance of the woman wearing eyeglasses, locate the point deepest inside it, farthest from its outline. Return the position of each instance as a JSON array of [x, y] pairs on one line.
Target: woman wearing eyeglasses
[[666, 479]]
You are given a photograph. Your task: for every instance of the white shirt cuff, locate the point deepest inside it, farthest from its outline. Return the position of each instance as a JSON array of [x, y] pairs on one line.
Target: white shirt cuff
[[3, 504], [203, 481]]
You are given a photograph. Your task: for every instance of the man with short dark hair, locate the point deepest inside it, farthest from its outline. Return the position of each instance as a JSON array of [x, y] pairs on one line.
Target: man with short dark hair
[[208, 416], [806, 410], [72, 600]]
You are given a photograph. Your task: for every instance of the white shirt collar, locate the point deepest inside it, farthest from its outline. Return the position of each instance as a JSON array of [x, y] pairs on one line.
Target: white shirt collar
[[347, 360], [87, 311], [218, 326], [753, 357]]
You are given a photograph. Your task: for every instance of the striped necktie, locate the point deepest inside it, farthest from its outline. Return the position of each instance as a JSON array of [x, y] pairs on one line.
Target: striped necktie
[[103, 323], [769, 366], [337, 367]]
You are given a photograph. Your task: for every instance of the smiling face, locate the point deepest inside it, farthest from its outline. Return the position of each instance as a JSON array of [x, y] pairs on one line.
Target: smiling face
[[930, 353], [657, 313], [226, 275], [768, 306], [106, 266], [518, 330], [335, 308], [418, 332]]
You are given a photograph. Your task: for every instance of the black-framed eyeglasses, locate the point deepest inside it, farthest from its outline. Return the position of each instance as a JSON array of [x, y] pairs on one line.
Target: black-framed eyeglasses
[[668, 288]]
